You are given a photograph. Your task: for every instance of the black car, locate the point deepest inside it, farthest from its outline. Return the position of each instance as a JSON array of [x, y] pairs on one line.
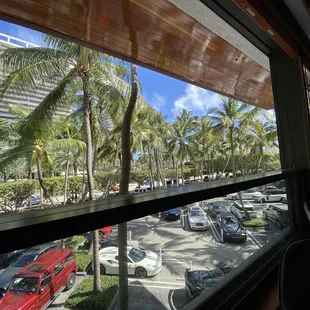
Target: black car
[[231, 229], [8, 258], [172, 214], [104, 242], [197, 281], [217, 207]]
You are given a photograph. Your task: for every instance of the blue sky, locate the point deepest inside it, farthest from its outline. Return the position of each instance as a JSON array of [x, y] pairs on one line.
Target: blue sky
[[164, 93]]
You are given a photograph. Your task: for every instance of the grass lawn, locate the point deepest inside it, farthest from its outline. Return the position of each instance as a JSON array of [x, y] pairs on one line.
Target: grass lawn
[[83, 297], [254, 223], [82, 259]]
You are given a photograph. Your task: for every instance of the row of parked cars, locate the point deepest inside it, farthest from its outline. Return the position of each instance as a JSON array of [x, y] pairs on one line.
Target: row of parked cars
[[36, 276]]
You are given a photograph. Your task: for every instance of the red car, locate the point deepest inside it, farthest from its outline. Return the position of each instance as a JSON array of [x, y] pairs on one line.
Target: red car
[[105, 231], [37, 285]]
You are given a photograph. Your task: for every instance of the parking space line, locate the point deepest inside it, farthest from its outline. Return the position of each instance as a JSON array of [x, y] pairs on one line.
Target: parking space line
[[155, 282], [255, 239], [154, 286]]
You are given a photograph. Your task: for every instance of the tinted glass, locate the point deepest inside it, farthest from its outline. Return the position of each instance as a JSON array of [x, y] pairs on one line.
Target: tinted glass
[[25, 260], [136, 255], [19, 284]]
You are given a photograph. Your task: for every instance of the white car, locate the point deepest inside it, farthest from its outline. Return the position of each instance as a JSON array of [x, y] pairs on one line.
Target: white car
[[237, 210], [247, 194], [271, 196], [140, 263], [197, 218]]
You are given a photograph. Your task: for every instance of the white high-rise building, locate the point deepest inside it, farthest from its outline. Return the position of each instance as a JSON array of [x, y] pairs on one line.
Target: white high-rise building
[[28, 99]]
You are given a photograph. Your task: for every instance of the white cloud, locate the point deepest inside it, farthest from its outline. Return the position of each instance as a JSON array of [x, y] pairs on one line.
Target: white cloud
[[196, 99], [158, 101]]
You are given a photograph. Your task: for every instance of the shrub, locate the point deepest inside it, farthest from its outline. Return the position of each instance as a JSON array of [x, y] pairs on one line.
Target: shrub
[[73, 243], [15, 195], [104, 179], [254, 223], [82, 259], [84, 298]]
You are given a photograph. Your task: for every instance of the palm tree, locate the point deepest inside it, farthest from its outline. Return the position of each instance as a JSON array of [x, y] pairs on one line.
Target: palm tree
[[183, 129], [124, 183]]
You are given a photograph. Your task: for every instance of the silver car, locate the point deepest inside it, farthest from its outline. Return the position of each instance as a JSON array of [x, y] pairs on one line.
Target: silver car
[[197, 218]]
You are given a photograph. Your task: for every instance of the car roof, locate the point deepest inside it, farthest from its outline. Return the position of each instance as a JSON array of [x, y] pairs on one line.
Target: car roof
[[46, 261], [42, 247], [226, 214], [112, 250], [282, 207]]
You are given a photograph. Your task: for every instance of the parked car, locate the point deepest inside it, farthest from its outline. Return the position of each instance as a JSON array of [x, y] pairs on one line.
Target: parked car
[[104, 242], [247, 194], [38, 284], [197, 218], [172, 214], [8, 258], [28, 257], [278, 214], [237, 210], [231, 229], [103, 232], [197, 281], [35, 201], [217, 207], [272, 195], [140, 263]]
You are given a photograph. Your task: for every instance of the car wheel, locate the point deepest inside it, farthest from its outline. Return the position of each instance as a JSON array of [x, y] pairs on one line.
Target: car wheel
[[279, 225], [234, 198], [70, 281], [141, 272], [102, 269]]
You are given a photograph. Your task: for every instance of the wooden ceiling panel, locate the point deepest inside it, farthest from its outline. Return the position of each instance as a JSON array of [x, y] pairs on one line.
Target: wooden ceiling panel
[[155, 34]]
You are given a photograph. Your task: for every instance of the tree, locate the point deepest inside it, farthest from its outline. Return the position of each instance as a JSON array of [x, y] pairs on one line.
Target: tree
[[124, 183], [183, 129]]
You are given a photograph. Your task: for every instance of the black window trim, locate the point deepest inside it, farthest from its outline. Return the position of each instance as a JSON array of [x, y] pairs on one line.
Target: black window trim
[[96, 214]]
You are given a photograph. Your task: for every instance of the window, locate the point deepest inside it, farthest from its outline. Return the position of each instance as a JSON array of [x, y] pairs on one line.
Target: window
[[136, 255], [69, 259], [58, 268], [46, 280], [27, 284]]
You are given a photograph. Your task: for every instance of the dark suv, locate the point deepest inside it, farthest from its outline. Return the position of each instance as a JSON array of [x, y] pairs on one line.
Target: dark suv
[[277, 214]]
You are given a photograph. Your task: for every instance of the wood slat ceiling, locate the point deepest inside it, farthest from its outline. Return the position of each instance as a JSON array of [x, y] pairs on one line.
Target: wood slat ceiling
[[154, 34]]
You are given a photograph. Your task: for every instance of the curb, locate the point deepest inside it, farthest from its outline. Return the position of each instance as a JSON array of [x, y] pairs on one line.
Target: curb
[[113, 300]]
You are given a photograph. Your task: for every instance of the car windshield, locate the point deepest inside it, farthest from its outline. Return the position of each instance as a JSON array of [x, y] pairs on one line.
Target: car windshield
[[197, 213], [25, 260], [229, 221], [19, 284], [136, 255]]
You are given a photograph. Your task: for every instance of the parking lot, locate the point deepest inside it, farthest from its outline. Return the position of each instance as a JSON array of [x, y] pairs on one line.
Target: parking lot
[[182, 248]]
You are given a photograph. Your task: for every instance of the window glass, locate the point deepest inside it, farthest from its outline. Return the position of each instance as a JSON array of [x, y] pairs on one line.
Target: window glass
[[58, 268], [24, 284], [136, 255], [69, 259], [46, 280]]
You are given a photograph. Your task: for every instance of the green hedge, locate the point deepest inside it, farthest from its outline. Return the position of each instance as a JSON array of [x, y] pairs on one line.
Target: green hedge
[[83, 297], [14, 195], [254, 223]]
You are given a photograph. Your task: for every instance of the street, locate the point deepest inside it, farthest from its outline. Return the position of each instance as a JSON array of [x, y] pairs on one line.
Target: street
[[183, 248]]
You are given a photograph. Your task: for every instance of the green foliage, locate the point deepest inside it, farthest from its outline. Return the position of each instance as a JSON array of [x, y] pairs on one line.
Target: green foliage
[[84, 298], [74, 242], [139, 176], [104, 179], [82, 259], [254, 223], [15, 195]]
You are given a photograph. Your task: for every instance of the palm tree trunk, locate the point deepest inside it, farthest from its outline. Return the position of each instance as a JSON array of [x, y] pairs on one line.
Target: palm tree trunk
[[88, 137], [41, 180], [157, 167], [124, 184], [182, 170], [177, 172], [162, 170], [66, 181], [150, 165], [83, 177], [96, 263]]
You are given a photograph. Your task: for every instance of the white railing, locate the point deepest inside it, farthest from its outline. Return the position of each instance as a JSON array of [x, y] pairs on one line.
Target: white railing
[[13, 41]]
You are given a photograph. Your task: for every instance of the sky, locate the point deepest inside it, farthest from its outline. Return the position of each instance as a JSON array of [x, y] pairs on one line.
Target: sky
[[163, 93]]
